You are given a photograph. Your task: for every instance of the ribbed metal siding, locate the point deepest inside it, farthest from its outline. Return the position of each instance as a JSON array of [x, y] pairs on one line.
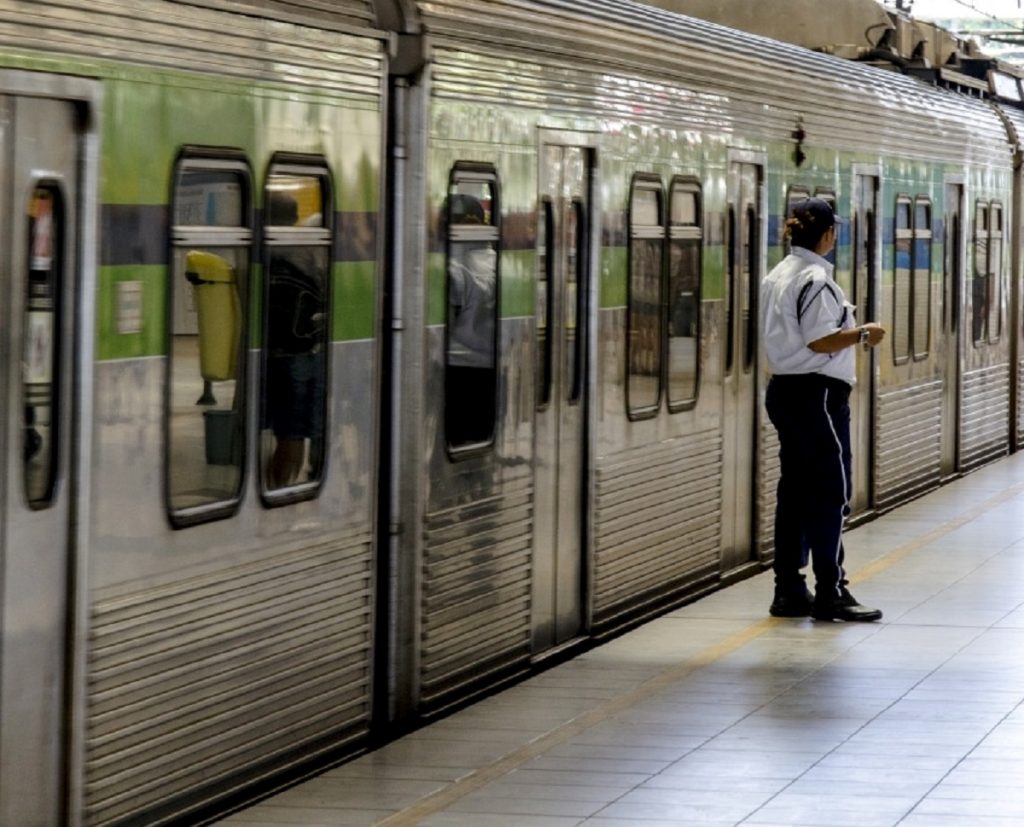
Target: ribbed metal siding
[[583, 57], [657, 522], [908, 432], [204, 679], [770, 471], [984, 416], [200, 38], [1020, 404], [476, 592]]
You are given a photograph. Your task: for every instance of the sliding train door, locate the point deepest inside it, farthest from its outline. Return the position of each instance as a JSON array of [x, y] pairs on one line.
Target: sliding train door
[[563, 244], [864, 221], [744, 270], [951, 322], [40, 147]]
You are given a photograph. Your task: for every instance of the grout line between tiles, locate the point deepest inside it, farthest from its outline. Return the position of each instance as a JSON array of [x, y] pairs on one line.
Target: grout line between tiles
[[444, 798]]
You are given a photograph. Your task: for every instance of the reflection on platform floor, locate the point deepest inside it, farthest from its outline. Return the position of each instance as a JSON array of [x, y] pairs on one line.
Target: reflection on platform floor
[[717, 714]]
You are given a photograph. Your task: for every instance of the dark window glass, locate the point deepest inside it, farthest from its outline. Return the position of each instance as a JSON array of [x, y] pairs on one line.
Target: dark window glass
[[40, 361], [995, 273], [902, 281], [471, 367], [575, 239], [545, 343], [980, 280], [684, 291], [646, 251], [206, 402], [296, 328], [921, 322]]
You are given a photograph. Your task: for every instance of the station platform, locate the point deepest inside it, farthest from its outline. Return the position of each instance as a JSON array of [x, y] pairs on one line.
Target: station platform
[[717, 714]]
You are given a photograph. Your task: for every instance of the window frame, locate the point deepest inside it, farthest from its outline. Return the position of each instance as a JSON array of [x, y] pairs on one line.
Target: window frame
[[479, 172], [687, 183], [311, 166], [907, 234], [57, 366], [918, 235], [209, 159], [651, 182], [982, 229], [995, 274]]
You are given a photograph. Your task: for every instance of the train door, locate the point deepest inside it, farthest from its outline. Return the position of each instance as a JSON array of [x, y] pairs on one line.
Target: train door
[[951, 325], [39, 162], [563, 244], [744, 271], [865, 268]]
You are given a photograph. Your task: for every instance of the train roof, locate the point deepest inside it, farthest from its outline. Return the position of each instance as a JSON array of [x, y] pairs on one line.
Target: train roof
[[700, 75]]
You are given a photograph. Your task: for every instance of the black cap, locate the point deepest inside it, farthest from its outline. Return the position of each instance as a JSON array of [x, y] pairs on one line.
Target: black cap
[[815, 213]]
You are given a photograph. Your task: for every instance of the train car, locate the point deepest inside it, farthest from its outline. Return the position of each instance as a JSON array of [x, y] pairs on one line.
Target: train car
[[369, 354], [634, 197], [190, 502]]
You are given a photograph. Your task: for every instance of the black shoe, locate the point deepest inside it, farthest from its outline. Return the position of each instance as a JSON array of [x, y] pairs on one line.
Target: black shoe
[[844, 607], [792, 605]]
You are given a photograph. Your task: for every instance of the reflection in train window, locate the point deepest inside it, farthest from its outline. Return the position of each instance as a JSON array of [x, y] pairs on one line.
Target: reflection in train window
[[206, 399], [41, 344], [684, 291], [471, 368], [995, 273], [980, 294], [643, 318], [297, 241], [922, 284], [901, 320], [545, 297]]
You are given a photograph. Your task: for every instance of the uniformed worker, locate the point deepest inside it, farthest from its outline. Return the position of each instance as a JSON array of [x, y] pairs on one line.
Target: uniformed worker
[[810, 341]]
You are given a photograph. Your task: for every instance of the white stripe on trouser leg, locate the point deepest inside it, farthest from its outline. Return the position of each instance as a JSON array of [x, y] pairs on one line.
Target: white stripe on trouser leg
[[846, 502]]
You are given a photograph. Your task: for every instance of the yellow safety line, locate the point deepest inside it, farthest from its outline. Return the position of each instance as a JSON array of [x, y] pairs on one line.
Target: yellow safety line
[[442, 799]]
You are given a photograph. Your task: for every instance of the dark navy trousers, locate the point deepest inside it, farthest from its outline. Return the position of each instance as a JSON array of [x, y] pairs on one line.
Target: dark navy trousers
[[811, 414]]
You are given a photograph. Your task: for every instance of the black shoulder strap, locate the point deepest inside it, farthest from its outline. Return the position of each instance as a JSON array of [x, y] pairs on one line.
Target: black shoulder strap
[[802, 302]]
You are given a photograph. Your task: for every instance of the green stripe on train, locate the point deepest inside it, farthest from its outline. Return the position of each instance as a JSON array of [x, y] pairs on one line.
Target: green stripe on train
[[517, 285], [354, 314]]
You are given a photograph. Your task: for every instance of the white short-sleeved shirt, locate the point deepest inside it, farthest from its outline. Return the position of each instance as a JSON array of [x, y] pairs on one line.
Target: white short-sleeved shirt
[[801, 303]]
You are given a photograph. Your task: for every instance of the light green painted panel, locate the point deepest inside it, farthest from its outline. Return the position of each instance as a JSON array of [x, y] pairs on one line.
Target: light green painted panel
[[151, 339], [355, 301], [613, 277]]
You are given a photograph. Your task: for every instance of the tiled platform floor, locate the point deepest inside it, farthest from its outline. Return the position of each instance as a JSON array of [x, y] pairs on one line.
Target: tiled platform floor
[[717, 714]]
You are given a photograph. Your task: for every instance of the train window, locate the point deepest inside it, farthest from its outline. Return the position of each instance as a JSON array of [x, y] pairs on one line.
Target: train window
[[995, 272], [296, 326], [545, 296], [684, 292], [576, 234], [829, 197], [211, 238], [922, 283], [644, 313], [795, 194], [901, 322], [41, 345], [471, 367], [980, 282]]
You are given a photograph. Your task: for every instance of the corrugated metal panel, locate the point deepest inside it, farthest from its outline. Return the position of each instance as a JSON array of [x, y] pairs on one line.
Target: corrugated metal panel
[[984, 416], [770, 471], [326, 13], [656, 522], [197, 682], [1020, 403], [476, 592], [583, 56], [908, 444], [197, 38]]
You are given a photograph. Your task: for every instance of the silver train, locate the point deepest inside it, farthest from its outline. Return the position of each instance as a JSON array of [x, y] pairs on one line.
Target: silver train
[[183, 624]]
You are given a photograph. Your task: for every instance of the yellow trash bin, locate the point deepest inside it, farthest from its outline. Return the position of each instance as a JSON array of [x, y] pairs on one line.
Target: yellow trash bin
[[220, 314]]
